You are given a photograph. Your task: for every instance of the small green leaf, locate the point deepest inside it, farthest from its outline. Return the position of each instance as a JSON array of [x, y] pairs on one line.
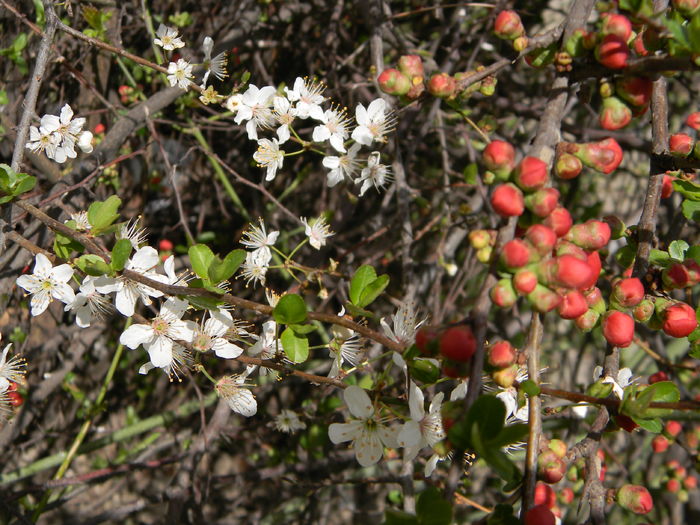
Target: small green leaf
[[625, 256], [510, 434], [659, 257], [93, 265], [201, 258], [432, 508], [25, 184], [302, 329], [689, 190], [399, 517], [359, 312], [691, 210], [489, 414], [678, 32], [364, 275], [530, 388], [120, 254], [223, 270], [677, 250], [295, 348], [203, 303], [693, 32], [424, 370], [101, 214], [652, 425], [372, 290], [471, 173], [290, 309]]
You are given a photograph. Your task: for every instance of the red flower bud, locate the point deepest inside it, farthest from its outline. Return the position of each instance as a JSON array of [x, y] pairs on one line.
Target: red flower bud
[[458, 344], [503, 293], [508, 25], [604, 156], [634, 90], [516, 254], [539, 515], [619, 25], [679, 320], [442, 85], [531, 174], [566, 495], [594, 299], [426, 340], [165, 245], [659, 444], [676, 276], [393, 82], [658, 377], [673, 428], [618, 328], [542, 202], [411, 66], [590, 235], [628, 292], [573, 305], [690, 482], [501, 354], [587, 321], [686, 7], [615, 114], [100, 128], [479, 238], [507, 200], [593, 260], [568, 166], [571, 272], [635, 498], [559, 220], [693, 120], [680, 144], [543, 299], [643, 311], [524, 281], [499, 156], [545, 495], [542, 238], [667, 186], [550, 467], [612, 52], [673, 485], [505, 377]]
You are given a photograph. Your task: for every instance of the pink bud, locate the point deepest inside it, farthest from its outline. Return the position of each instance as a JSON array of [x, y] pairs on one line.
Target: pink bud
[[507, 200], [442, 85], [680, 144], [543, 299], [517, 253], [501, 354], [508, 25], [676, 276], [643, 311], [693, 120], [686, 7], [612, 52], [634, 90], [594, 298], [479, 239], [524, 281], [590, 235], [568, 166], [503, 294], [543, 201], [679, 320], [559, 220], [573, 305], [499, 156], [571, 272], [594, 263], [628, 292], [618, 25], [393, 82], [618, 328], [411, 66], [667, 186], [587, 321], [539, 515], [604, 156], [635, 498], [615, 114], [542, 238], [531, 174]]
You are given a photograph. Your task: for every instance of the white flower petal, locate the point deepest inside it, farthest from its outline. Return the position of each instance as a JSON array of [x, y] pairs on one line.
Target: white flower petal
[[358, 402]]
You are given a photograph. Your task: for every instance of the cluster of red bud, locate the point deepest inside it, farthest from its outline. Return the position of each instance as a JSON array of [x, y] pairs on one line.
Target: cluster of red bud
[[408, 81], [682, 145], [678, 481], [662, 441], [603, 156], [503, 361], [455, 345]]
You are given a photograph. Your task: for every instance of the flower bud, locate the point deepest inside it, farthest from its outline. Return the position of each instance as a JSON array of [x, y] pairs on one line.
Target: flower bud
[[574, 44], [507, 200], [612, 52], [427, 338], [487, 86], [542, 238], [499, 156], [686, 7], [520, 43], [604, 156], [614, 114], [568, 166], [675, 276], [628, 292], [483, 255], [659, 444], [539, 515], [442, 85], [479, 238], [590, 235], [634, 90], [667, 186], [543, 299], [673, 428], [545, 495], [587, 321], [571, 272], [614, 24], [657, 377], [573, 305], [524, 281], [393, 82], [635, 498], [543, 201], [680, 144], [558, 447], [517, 253], [617, 227], [501, 355], [508, 25], [550, 467], [679, 320], [505, 377], [531, 174], [643, 311], [503, 293], [458, 344], [618, 328], [559, 220], [690, 482], [693, 120], [411, 66]]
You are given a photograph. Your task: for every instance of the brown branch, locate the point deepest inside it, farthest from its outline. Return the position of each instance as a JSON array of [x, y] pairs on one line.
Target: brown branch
[[534, 340]]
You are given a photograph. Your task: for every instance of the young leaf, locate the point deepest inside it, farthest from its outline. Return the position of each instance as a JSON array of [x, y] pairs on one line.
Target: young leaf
[[93, 264], [101, 214], [120, 254], [364, 275], [432, 508], [222, 270], [372, 290], [201, 258], [296, 348], [290, 309], [677, 250]]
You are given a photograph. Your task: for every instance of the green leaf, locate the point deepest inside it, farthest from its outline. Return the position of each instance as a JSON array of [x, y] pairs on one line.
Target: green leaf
[[399, 517], [659, 257], [496, 458], [693, 253], [64, 246], [290, 309], [223, 270], [101, 214], [93, 265], [678, 32], [510, 434], [359, 312], [689, 190], [432, 508], [25, 184], [364, 275], [625, 256], [120, 254], [691, 210], [663, 392], [302, 329], [424, 370], [530, 388], [489, 414], [502, 515], [296, 348], [693, 32], [677, 250], [652, 425], [200, 259], [204, 303], [471, 173], [372, 290]]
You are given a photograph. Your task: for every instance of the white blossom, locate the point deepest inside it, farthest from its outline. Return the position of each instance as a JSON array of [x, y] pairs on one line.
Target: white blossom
[[88, 304], [308, 95], [619, 383], [57, 136], [254, 106], [180, 73], [232, 389], [210, 335], [422, 430], [367, 434], [285, 115], [317, 232], [373, 122], [405, 322], [12, 370], [47, 283], [343, 167], [375, 174], [130, 230], [216, 65], [167, 38], [334, 127], [288, 421], [344, 348], [270, 156]]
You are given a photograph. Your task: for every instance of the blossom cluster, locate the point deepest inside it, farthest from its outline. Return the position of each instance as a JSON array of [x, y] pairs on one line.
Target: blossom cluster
[[57, 136]]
